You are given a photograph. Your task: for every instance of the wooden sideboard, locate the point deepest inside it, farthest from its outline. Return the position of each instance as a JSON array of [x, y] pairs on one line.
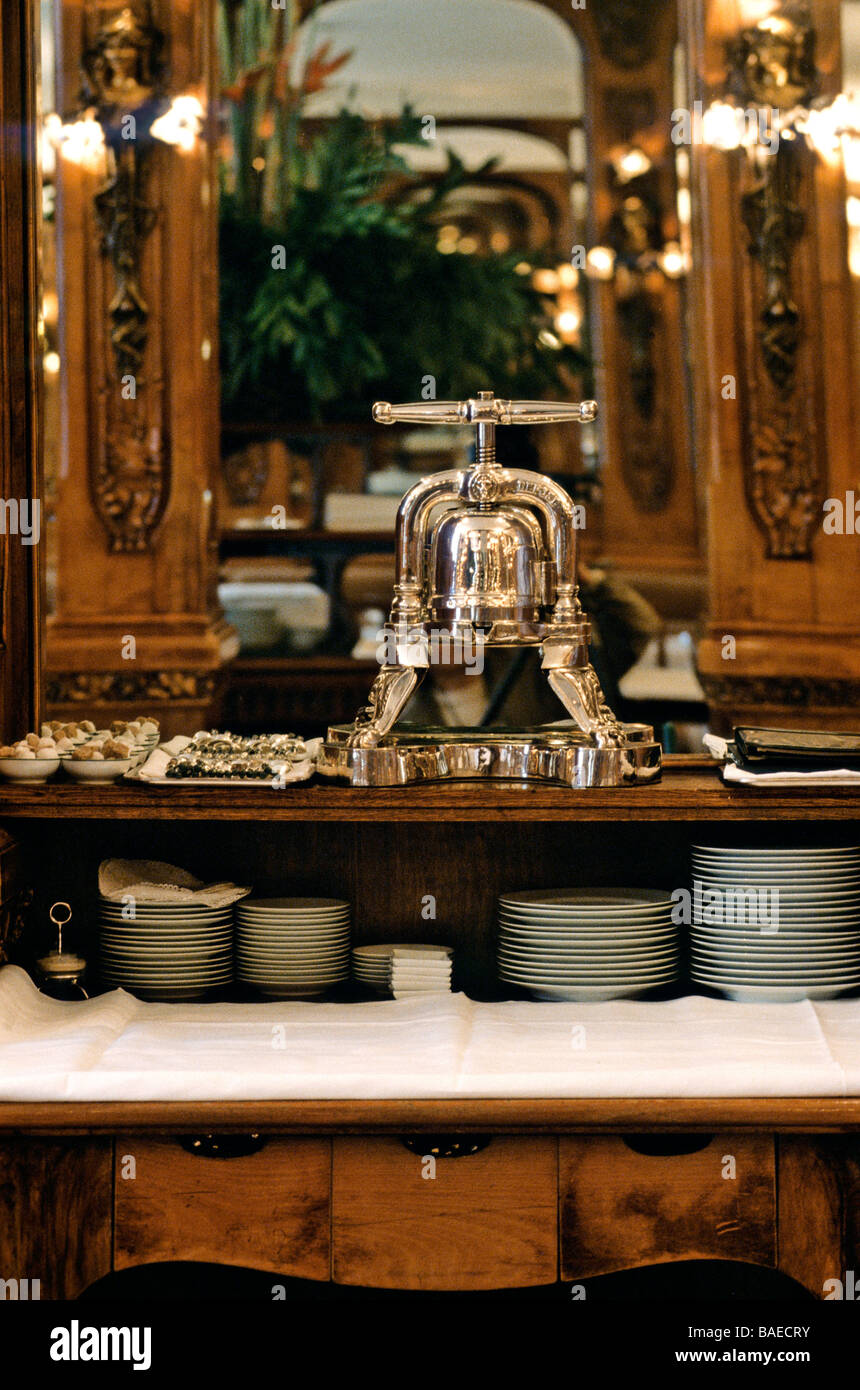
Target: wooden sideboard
[[346, 1190]]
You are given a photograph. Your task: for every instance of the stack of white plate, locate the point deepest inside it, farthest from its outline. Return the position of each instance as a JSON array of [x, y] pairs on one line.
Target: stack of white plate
[[167, 951], [776, 924], [292, 948], [406, 968], [583, 943]]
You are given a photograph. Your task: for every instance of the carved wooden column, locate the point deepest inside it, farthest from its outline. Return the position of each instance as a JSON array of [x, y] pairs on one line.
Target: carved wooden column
[[20, 369], [135, 624], [649, 522], [776, 382]]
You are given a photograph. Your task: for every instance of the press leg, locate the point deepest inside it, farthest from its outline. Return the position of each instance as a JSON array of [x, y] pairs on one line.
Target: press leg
[[579, 690], [389, 695]]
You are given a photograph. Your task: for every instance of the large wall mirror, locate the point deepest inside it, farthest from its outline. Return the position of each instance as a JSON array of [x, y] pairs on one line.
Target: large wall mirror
[[260, 218]]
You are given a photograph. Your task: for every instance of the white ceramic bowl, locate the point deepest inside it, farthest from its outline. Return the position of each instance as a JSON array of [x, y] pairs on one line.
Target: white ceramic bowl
[[29, 769], [105, 770]]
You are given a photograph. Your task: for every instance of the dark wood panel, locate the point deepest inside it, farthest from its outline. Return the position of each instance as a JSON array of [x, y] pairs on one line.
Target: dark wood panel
[[484, 1221], [265, 1210], [55, 1213], [621, 1209], [812, 1212]]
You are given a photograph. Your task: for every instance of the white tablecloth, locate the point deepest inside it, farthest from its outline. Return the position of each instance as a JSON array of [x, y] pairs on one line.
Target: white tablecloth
[[116, 1047]]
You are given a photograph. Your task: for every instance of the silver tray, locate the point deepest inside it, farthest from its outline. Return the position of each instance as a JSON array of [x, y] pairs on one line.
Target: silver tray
[[549, 754]]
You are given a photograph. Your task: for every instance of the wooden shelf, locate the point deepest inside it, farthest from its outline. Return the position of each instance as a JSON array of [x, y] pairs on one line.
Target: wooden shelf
[[689, 791], [786, 1114]]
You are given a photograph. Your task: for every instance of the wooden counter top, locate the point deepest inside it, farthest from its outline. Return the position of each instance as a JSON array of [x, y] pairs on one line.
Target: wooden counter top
[[690, 790]]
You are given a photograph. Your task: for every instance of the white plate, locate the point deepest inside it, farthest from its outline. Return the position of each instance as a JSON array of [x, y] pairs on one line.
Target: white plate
[[272, 980], [790, 959], [787, 888], [134, 931], [811, 915], [612, 938], [295, 904], [300, 933], [762, 960], [710, 974], [770, 979], [313, 958], [543, 926], [778, 945], [287, 943], [787, 931], [588, 918], [586, 958], [849, 892], [586, 897], [756, 851], [779, 994], [610, 920], [588, 977], [299, 915], [795, 864], [300, 928], [580, 994], [223, 949], [132, 979], [165, 928]]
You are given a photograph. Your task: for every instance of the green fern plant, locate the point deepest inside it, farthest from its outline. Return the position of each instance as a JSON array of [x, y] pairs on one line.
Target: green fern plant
[[333, 289]]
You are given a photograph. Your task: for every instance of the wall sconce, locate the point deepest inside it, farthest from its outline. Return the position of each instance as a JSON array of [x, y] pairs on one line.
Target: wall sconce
[[771, 107], [125, 112], [772, 115]]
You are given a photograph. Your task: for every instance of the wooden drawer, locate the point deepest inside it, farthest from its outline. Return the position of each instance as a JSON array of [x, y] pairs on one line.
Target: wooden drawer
[[622, 1207], [265, 1210], [486, 1220]]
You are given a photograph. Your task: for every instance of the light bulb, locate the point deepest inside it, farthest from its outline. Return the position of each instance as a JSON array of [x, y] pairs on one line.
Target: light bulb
[[600, 262], [180, 125]]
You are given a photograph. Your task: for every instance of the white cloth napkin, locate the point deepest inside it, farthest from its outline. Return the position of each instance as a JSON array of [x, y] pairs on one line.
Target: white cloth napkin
[[151, 881], [117, 1048]]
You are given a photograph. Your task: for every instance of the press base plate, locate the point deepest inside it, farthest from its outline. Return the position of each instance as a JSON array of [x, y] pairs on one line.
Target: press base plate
[[555, 753]]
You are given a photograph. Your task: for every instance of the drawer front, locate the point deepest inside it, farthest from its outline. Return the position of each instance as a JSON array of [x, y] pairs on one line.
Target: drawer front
[[483, 1221], [622, 1208], [266, 1210]]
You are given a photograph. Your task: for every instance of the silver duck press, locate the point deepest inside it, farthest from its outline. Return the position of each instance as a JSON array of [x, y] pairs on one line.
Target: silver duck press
[[487, 555]]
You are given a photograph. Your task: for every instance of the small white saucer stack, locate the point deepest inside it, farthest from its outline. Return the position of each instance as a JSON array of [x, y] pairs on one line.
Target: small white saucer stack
[[403, 969]]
